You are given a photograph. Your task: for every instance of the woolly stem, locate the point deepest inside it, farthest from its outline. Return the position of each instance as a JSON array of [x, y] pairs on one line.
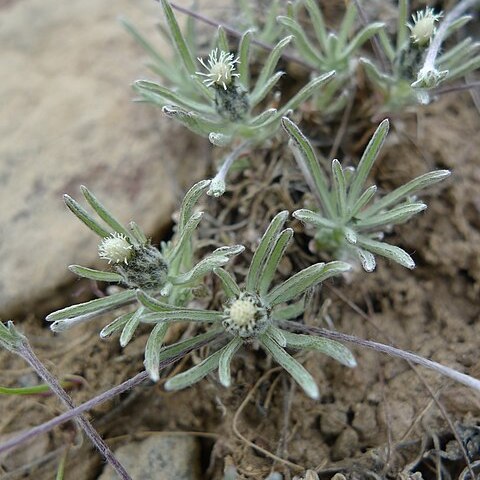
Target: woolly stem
[[389, 350]]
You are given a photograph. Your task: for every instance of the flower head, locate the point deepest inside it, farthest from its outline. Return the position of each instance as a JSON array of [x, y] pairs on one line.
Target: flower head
[[423, 27], [221, 68], [246, 316], [115, 248]]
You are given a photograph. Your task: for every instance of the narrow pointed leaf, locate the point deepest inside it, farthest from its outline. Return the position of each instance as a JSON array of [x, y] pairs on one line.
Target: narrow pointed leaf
[[229, 284], [346, 26], [185, 237], [263, 251], [85, 217], [137, 233], [190, 200], [366, 162], [308, 51], [388, 251], [313, 218], [415, 185], [152, 350], [116, 325], [339, 188], [244, 53], [194, 374], [222, 40], [329, 347], [365, 34], [273, 260], [131, 326], [98, 305], [305, 279], [225, 360], [183, 315], [97, 275], [402, 31], [394, 216], [289, 312], [259, 94], [270, 64], [294, 368], [277, 335], [103, 213], [367, 259], [305, 157], [350, 235], [178, 39], [364, 198]]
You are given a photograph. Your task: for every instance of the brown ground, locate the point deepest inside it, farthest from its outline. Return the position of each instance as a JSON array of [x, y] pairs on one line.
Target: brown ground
[[383, 419]]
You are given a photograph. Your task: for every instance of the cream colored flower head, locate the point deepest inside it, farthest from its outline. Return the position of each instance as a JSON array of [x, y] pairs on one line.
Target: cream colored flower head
[[423, 27], [115, 249], [220, 68]]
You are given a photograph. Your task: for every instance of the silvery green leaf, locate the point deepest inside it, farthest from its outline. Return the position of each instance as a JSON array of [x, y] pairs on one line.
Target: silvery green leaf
[[277, 335], [178, 39], [269, 65], [273, 260], [460, 58], [463, 69], [365, 197], [97, 275], [225, 360], [386, 45], [313, 218], [366, 162], [367, 259], [188, 119], [153, 304], [85, 217], [185, 237], [219, 139], [169, 96], [131, 326], [457, 24], [217, 258], [189, 201], [402, 30], [304, 46], [374, 74], [152, 350], [263, 251], [222, 40], [339, 188], [346, 26], [318, 22], [350, 235], [307, 278], [183, 315], [229, 284], [361, 37], [263, 118], [324, 345], [294, 368], [97, 306], [413, 186], [308, 163], [306, 92], [394, 216], [446, 59], [194, 374], [137, 233], [10, 338], [289, 312], [177, 349], [385, 250], [263, 89], [103, 213], [244, 52], [116, 325]]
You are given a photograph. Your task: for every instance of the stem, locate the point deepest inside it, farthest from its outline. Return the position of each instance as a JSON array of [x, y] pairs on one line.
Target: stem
[[26, 352], [84, 407], [217, 186], [389, 350], [434, 47]]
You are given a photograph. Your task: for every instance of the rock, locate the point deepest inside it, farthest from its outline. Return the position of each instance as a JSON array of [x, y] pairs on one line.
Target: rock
[[68, 119], [159, 458]]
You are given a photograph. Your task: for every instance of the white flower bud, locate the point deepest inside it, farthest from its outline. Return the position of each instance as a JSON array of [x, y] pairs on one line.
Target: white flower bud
[[220, 68], [423, 27], [115, 249]]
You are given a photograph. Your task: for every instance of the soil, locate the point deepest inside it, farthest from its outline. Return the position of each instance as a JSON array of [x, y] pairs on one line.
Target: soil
[[383, 419]]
